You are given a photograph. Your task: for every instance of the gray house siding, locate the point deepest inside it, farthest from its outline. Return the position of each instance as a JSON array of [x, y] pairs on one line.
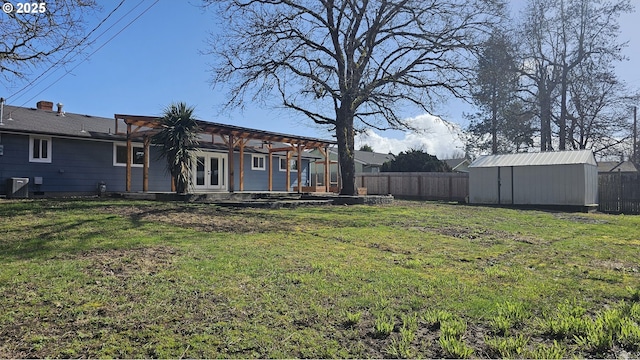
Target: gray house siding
[[76, 166]]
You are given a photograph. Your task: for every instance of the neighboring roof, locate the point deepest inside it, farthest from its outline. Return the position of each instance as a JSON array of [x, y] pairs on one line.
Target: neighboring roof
[[533, 159], [369, 158], [454, 163], [615, 166], [372, 158]]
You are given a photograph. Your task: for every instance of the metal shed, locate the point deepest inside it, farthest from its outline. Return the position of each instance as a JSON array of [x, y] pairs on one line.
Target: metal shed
[[563, 178]]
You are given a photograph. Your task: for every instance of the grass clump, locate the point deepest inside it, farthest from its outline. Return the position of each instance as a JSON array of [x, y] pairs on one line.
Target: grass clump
[[568, 321], [455, 348], [509, 347], [352, 318], [435, 318], [509, 315], [383, 326], [401, 347], [553, 351]]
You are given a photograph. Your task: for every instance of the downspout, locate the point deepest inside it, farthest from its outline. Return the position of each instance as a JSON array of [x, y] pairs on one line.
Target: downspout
[[1, 111]]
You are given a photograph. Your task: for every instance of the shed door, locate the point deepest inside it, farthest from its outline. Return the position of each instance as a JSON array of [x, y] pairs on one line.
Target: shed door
[[505, 181]]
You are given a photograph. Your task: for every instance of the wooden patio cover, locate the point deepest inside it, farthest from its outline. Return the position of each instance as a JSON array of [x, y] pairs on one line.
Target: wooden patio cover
[[234, 137]]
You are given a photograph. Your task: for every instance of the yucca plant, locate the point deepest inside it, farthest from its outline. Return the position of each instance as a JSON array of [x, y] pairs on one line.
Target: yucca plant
[[178, 142]]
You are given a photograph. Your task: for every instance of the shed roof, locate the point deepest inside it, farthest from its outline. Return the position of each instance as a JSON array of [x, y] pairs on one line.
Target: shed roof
[[536, 159]]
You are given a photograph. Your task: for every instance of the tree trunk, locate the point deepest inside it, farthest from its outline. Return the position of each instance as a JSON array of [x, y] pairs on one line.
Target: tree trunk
[[494, 124], [544, 98], [345, 136], [563, 110]]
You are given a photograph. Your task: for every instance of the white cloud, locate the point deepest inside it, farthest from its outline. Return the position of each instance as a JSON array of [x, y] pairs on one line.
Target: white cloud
[[435, 136]]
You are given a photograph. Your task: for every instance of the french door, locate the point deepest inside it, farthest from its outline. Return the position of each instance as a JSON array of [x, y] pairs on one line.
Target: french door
[[210, 172]]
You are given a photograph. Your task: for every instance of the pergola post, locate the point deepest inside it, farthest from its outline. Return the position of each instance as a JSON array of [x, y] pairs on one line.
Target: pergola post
[[288, 182], [145, 165], [231, 164], [300, 148], [270, 168], [129, 153], [241, 144], [327, 164]]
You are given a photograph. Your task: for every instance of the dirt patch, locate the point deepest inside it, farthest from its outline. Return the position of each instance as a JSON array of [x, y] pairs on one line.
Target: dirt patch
[[205, 218], [579, 218], [123, 263], [614, 265], [483, 236]]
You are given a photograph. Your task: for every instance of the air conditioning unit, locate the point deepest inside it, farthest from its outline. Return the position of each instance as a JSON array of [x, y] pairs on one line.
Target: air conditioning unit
[[18, 188]]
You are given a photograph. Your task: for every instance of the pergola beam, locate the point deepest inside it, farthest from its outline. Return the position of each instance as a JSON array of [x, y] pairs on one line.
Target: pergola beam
[[233, 137]]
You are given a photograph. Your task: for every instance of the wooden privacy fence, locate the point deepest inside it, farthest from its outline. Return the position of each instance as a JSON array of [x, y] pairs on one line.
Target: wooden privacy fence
[[417, 185], [619, 193]]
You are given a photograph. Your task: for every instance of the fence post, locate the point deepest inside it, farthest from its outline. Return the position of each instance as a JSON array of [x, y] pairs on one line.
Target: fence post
[[620, 190]]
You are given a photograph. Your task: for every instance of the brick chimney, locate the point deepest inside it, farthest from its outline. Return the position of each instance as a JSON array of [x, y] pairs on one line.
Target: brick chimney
[[45, 105]]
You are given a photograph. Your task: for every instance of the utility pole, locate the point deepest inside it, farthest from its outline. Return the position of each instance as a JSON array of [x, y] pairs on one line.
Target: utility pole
[[635, 135]]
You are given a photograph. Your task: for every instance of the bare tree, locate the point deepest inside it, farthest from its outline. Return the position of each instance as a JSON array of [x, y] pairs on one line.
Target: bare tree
[[347, 64], [598, 115], [43, 33], [559, 36]]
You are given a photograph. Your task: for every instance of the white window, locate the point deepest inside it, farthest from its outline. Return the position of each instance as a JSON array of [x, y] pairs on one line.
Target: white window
[[40, 149], [258, 162], [120, 155], [293, 164]]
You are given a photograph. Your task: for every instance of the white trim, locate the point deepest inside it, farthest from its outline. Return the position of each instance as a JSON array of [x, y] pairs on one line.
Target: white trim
[[134, 146], [38, 159], [207, 171], [264, 162], [292, 161]]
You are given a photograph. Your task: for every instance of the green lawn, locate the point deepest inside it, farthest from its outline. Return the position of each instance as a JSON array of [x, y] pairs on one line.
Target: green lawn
[[93, 278]]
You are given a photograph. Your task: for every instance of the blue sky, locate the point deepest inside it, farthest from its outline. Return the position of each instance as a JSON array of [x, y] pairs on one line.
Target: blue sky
[[157, 60]]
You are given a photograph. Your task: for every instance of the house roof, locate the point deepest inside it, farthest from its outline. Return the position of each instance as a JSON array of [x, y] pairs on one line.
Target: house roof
[[533, 159], [45, 122], [615, 166], [37, 121]]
